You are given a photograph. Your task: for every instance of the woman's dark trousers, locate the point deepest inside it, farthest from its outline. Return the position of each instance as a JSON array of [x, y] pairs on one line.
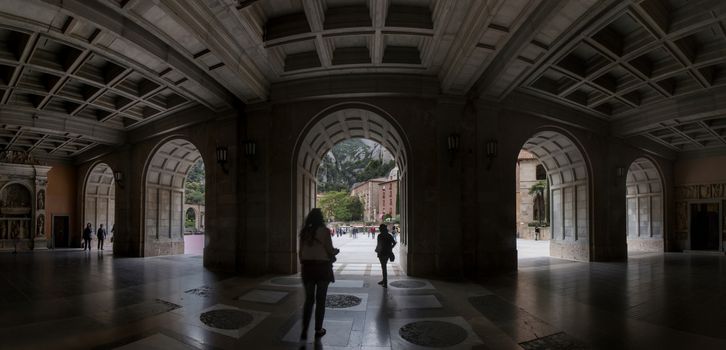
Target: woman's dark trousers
[[315, 293], [384, 261]]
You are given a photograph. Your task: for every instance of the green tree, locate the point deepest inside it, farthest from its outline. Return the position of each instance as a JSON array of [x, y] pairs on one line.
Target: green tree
[[340, 206], [194, 186], [355, 208]]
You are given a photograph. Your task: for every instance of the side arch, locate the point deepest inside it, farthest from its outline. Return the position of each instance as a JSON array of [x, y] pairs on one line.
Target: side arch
[[164, 178], [570, 190], [99, 197], [645, 206]]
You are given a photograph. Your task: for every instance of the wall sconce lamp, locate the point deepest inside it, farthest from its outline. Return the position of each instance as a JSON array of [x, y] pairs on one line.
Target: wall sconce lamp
[[249, 148], [620, 171], [119, 178], [453, 142], [222, 158], [491, 151]]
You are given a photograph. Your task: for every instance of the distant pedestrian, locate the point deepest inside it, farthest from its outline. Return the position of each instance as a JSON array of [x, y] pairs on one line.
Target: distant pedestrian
[[101, 235], [87, 232], [372, 232], [536, 233], [384, 250], [316, 255]]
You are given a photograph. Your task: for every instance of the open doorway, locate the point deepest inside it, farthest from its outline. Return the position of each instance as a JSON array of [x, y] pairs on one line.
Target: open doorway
[[194, 188], [552, 198], [705, 232], [533, 222], [352, 164], [99, 204], [357, 184], [168, 172]]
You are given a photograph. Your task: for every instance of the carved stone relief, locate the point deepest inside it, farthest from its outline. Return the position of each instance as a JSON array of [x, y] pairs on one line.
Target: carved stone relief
[[41, 200], [17, 157], [708, 191], [40, 227]]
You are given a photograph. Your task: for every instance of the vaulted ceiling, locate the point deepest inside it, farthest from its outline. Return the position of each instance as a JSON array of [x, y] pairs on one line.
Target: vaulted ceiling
[[78, 73]]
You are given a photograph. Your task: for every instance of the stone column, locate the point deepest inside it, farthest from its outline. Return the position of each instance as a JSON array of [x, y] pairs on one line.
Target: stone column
[[39, 239]]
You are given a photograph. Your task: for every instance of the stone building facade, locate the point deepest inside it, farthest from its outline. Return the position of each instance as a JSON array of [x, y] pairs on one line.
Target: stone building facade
[[388, 195], [369, 192]]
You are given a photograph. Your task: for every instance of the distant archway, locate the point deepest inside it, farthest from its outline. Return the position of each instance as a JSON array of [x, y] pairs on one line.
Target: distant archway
[[333, 126], [165, 177], [644, 207], [99, 200], [568, 182], [190, 220]]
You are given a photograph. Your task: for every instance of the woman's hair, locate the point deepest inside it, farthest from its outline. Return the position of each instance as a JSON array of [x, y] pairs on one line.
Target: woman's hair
[[383, 228], [312, 222]]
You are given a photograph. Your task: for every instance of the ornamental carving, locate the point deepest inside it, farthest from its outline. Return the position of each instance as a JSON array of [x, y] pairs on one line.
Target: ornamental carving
[[17, 157], [41, 200], [40, 228], [709, 191]]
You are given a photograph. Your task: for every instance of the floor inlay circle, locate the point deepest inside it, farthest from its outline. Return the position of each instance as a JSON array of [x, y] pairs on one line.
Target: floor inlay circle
[[339, 301], [287, 281], [226, 319], [437, 334], [408, 284]]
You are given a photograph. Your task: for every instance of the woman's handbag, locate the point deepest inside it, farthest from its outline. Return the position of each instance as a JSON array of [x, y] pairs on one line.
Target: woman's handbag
[[392, 257]]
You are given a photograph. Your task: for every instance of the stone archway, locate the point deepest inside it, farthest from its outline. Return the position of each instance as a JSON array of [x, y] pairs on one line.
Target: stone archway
[[568, 176], [340, 124], [190, 216], [99, 198], [644, 207], [165, 176]]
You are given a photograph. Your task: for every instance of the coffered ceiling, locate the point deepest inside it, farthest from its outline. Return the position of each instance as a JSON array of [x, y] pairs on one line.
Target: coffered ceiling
[[78, 73], [645, 56]]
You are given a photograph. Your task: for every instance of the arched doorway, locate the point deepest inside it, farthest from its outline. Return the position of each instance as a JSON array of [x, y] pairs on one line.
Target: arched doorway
[[644, 198], [333, 127], [164, 191], [566, 192], [190, 220], [99, 200]]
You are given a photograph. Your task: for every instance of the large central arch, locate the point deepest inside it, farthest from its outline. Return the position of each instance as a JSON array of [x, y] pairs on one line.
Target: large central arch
[[569, 182], [332, 126]]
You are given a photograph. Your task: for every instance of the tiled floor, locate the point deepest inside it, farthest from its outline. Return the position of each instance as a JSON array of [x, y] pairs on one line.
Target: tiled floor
[[72, 299]]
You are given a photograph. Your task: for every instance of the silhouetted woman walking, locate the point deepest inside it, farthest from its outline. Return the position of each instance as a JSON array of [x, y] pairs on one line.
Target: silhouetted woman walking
[[316, 255], [384, 249]]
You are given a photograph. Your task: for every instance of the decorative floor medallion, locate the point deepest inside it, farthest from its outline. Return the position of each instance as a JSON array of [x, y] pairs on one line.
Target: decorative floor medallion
[[436, 334]]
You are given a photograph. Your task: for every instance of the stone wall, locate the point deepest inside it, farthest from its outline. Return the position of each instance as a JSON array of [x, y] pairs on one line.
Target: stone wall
[[459, 211], [206, 130]]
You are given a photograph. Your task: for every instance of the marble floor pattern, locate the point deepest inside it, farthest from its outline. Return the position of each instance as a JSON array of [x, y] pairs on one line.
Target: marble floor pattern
[[76, 300]]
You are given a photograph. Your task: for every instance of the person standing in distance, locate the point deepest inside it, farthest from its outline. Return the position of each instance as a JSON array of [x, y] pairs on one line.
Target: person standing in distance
[[316, 255], [87, 232], [384, 249], [101, 235]]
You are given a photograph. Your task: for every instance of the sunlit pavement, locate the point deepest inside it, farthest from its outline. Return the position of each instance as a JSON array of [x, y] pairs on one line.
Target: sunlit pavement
[[527, 248], [194, 244]]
